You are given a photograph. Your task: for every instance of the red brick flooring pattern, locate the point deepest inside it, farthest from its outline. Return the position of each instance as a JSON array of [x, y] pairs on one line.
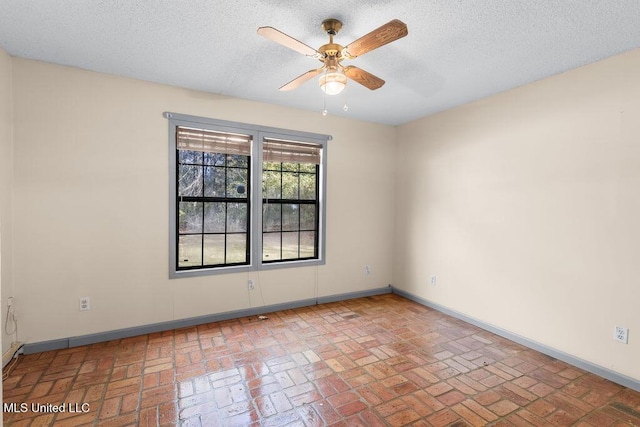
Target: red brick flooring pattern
[[376, 361]]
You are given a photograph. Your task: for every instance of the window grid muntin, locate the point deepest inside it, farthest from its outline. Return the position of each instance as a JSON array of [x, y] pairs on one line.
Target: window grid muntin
[[281, 201], [213, 199]]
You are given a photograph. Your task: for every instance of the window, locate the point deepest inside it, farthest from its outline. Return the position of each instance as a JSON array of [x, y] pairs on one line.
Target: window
[[244, 197], [289, 200], [212, 207]]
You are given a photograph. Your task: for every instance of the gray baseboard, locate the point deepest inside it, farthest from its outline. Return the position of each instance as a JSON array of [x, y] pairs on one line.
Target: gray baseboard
[[61, 343], [353, 295], [542, 348]]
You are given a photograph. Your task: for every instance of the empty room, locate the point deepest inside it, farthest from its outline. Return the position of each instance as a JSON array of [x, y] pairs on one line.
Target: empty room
[[353, 213]]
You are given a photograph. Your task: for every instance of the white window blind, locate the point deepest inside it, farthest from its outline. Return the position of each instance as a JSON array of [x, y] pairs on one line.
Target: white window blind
[[274, 150], [212, 142]]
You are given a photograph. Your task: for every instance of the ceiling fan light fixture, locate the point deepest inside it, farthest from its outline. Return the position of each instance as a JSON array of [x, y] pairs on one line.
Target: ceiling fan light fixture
[[333, 82]]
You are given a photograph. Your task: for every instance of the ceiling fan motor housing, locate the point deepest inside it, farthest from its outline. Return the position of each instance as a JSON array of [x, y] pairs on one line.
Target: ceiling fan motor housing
[[330, 50]]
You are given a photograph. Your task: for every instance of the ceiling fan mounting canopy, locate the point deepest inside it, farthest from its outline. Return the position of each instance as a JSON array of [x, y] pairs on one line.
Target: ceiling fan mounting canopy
[[331, 26], [332, 54]]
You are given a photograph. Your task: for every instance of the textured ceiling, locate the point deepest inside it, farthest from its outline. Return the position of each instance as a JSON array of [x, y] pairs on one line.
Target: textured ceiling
[[457, 51]]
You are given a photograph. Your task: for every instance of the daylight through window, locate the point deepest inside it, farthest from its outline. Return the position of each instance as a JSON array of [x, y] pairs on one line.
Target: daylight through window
[[289, 200], [212, 202], [244, 197]]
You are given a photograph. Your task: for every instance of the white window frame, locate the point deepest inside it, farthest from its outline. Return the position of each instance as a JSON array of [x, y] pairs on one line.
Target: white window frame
[[258, 134]]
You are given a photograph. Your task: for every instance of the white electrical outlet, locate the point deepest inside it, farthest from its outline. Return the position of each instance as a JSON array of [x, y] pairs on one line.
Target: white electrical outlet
[[85, 303], [433, 280], [621, 334], [10, 302], [250, 284], [367, 270]]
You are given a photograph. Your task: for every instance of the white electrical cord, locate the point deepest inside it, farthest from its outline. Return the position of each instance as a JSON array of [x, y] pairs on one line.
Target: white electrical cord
[[10, 311], [7, 371], [260, 287], [11, 315]]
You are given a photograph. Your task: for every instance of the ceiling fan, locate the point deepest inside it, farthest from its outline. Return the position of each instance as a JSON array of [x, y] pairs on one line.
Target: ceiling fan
[[333, 75]]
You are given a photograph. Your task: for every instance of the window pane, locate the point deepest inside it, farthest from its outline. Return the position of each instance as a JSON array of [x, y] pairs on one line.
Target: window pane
[[214, 249], [292, 167], [289, 245], [289, 185], [214, 217], [214, 159], [307, 167], [190, 217], [307, 186], [189, 251], [236, 182], [237, 161], [270, 246], [271, 185], [307, 244], [190, 181], [272, 166], [214, 181], [290, 217], [236, 217], [307, 217], [236, 248], [271, 218], [190, 157]]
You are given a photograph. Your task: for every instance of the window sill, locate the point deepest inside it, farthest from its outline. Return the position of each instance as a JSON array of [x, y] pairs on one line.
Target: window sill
[[181, 274]]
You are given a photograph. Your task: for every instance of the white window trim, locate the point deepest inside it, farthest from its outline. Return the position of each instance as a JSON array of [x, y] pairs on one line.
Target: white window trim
[[258, 133]]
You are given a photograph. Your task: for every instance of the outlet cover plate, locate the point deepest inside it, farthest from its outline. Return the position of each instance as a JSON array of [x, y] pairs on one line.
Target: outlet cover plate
[[84, 303], [621, 334]]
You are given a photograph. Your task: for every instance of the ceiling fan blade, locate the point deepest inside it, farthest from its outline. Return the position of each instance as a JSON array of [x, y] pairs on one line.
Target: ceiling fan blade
[[391, 31], [363, 77], [287, 41], [301, 79]]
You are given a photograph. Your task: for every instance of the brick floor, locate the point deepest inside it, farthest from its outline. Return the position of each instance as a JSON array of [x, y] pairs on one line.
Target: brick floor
[[377, 361]]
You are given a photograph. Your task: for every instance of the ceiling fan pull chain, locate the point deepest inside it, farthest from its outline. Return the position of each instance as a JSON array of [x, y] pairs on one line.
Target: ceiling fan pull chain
[[345, 107], [324, 98]]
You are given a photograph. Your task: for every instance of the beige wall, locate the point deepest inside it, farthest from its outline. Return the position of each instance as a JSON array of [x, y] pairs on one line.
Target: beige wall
[[91, 205], [6, 193], [526, 206]]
